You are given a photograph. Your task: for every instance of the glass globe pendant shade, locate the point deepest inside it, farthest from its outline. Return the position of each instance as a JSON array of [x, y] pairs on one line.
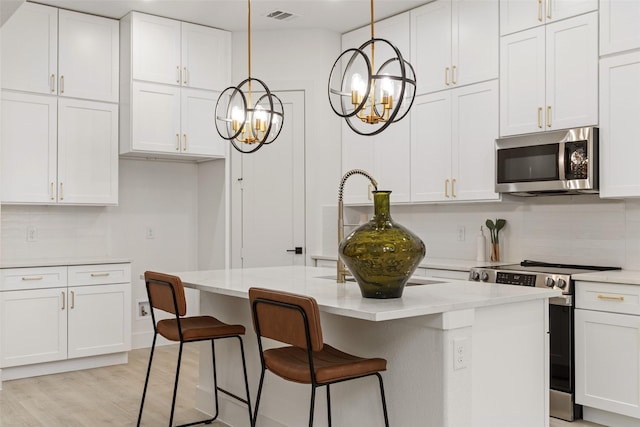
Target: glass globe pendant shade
[[370, 101], [247, 125]]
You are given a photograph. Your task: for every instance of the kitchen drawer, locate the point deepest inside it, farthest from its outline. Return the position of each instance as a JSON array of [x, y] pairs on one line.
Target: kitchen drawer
[[18, 279], [612, 297], [99, 274]]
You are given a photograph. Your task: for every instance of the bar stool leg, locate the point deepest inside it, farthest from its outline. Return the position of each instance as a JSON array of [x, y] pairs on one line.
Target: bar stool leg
[[215, 378], [384, 401], [255, 410], [246, 381], [312, 404], [146, 381], [175, 386]]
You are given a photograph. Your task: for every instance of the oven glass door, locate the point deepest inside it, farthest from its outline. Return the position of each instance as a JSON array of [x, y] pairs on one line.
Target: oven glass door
[[561, 347], [529, 164]]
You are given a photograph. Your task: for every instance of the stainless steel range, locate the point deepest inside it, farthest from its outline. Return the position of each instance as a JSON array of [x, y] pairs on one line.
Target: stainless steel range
[[561, 314]]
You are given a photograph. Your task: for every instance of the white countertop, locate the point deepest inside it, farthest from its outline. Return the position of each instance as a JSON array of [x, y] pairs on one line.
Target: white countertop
[[437, 263], [625, 277], [53, 262], [345, 299]]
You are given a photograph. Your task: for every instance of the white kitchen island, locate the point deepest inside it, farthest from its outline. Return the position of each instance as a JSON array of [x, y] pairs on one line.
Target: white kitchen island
[[459, 353]]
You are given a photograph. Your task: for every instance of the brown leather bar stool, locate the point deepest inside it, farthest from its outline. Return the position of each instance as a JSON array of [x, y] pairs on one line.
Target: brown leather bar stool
[[166, 293], [295, 320]]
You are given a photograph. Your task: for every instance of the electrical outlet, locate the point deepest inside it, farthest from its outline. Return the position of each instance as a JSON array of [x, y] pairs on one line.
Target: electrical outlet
[[32, 234], [460, 231], [460, 353], [144, 309], [150, 232]]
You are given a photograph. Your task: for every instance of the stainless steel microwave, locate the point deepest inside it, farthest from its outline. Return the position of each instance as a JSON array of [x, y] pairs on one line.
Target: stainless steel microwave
[[558, 162]]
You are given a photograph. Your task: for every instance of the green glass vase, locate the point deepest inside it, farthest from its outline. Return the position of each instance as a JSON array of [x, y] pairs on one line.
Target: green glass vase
[[381, 254]]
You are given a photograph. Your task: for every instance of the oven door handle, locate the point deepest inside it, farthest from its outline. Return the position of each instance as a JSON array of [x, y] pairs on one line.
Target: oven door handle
[[564, 300]]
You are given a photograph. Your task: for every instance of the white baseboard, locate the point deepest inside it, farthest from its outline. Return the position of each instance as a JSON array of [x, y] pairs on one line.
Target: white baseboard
[[608, 418]]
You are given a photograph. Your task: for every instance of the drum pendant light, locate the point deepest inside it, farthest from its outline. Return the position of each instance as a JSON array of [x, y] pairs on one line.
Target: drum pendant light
[[370, 99], [248, 125]]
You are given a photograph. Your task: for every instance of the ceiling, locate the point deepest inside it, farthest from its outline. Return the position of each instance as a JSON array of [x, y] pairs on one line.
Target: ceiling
[[334, 15]]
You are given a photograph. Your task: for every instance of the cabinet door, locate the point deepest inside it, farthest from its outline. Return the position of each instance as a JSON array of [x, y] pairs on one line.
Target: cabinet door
[[608, 376], [199, 134], [431, 46], [87, 152], [475, 128], [517, 15], [206, 57], [99, 319], [88, 56], [431, 147], [156, 49], [562, 9], [155, 118], [30, 49], [29, 138], [475, 41], [33, 326], [619, 29], [619, 112], [522, 82], [572, 73], [392, 157]]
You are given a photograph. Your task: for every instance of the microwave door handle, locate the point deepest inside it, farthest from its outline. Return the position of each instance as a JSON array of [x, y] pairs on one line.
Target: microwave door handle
[[561, 161]]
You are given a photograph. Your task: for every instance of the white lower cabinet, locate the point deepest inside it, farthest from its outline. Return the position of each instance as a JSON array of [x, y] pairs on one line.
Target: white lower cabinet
[[607, 343], [60, 313]]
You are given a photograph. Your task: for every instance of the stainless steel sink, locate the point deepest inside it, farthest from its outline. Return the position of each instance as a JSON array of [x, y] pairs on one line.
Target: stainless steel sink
[[414, 281]]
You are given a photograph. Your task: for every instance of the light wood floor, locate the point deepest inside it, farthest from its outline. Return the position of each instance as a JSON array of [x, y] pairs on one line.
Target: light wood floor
[[111, 396]]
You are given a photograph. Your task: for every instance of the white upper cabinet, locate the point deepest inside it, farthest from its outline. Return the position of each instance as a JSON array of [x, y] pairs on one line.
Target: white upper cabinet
[[452, 144], [619, 112], [549, 77], [517, 15], [178, 53], [454, 43], [619, 29], [69, 54]]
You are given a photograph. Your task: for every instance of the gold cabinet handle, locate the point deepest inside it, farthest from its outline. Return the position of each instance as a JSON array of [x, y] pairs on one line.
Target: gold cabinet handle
[[539, 117], [32, 277], [53, 196], [186, 76], [105, 274], [62, 191], [453, 75], [63, 300], [446, 76], [453, 188], [178, 75], [446, 188], [61, 84], [184, 146], [52, 83], [539, 10], [177, 142], [73, 300], [548, 116], [548, 9], [610, 298]]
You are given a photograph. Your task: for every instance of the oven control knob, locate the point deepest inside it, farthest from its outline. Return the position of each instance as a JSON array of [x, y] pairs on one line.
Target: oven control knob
[[562, 283], [484, 276], [475, 276], [549, 282]]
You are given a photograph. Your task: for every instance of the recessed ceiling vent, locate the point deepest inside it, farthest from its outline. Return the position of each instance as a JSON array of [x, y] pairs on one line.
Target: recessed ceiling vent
[[281, 15]]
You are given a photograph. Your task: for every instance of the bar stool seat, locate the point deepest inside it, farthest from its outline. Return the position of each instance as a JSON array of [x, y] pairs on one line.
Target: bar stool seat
[[197, 328]]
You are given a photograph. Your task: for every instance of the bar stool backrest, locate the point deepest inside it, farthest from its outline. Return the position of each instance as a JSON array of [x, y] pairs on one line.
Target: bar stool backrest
[[166, 292], [286, 317]]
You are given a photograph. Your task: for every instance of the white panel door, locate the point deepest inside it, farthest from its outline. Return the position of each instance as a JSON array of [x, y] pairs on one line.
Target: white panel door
[[199, 134], [431, 147], [99, 320], [87, 152], [156, 49], [206, 54], [30, 49], [273, 207], [88, 56], [475, 128], [29, 146], [155, 118], [522, 82], [608, 361], [431, 45], [572, 73], [562, 9], [517, 15], [619, 29], [619, 112], [34, 326]]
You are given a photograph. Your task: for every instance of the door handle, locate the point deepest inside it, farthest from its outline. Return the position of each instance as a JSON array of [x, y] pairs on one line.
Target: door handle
[[297, 250]]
